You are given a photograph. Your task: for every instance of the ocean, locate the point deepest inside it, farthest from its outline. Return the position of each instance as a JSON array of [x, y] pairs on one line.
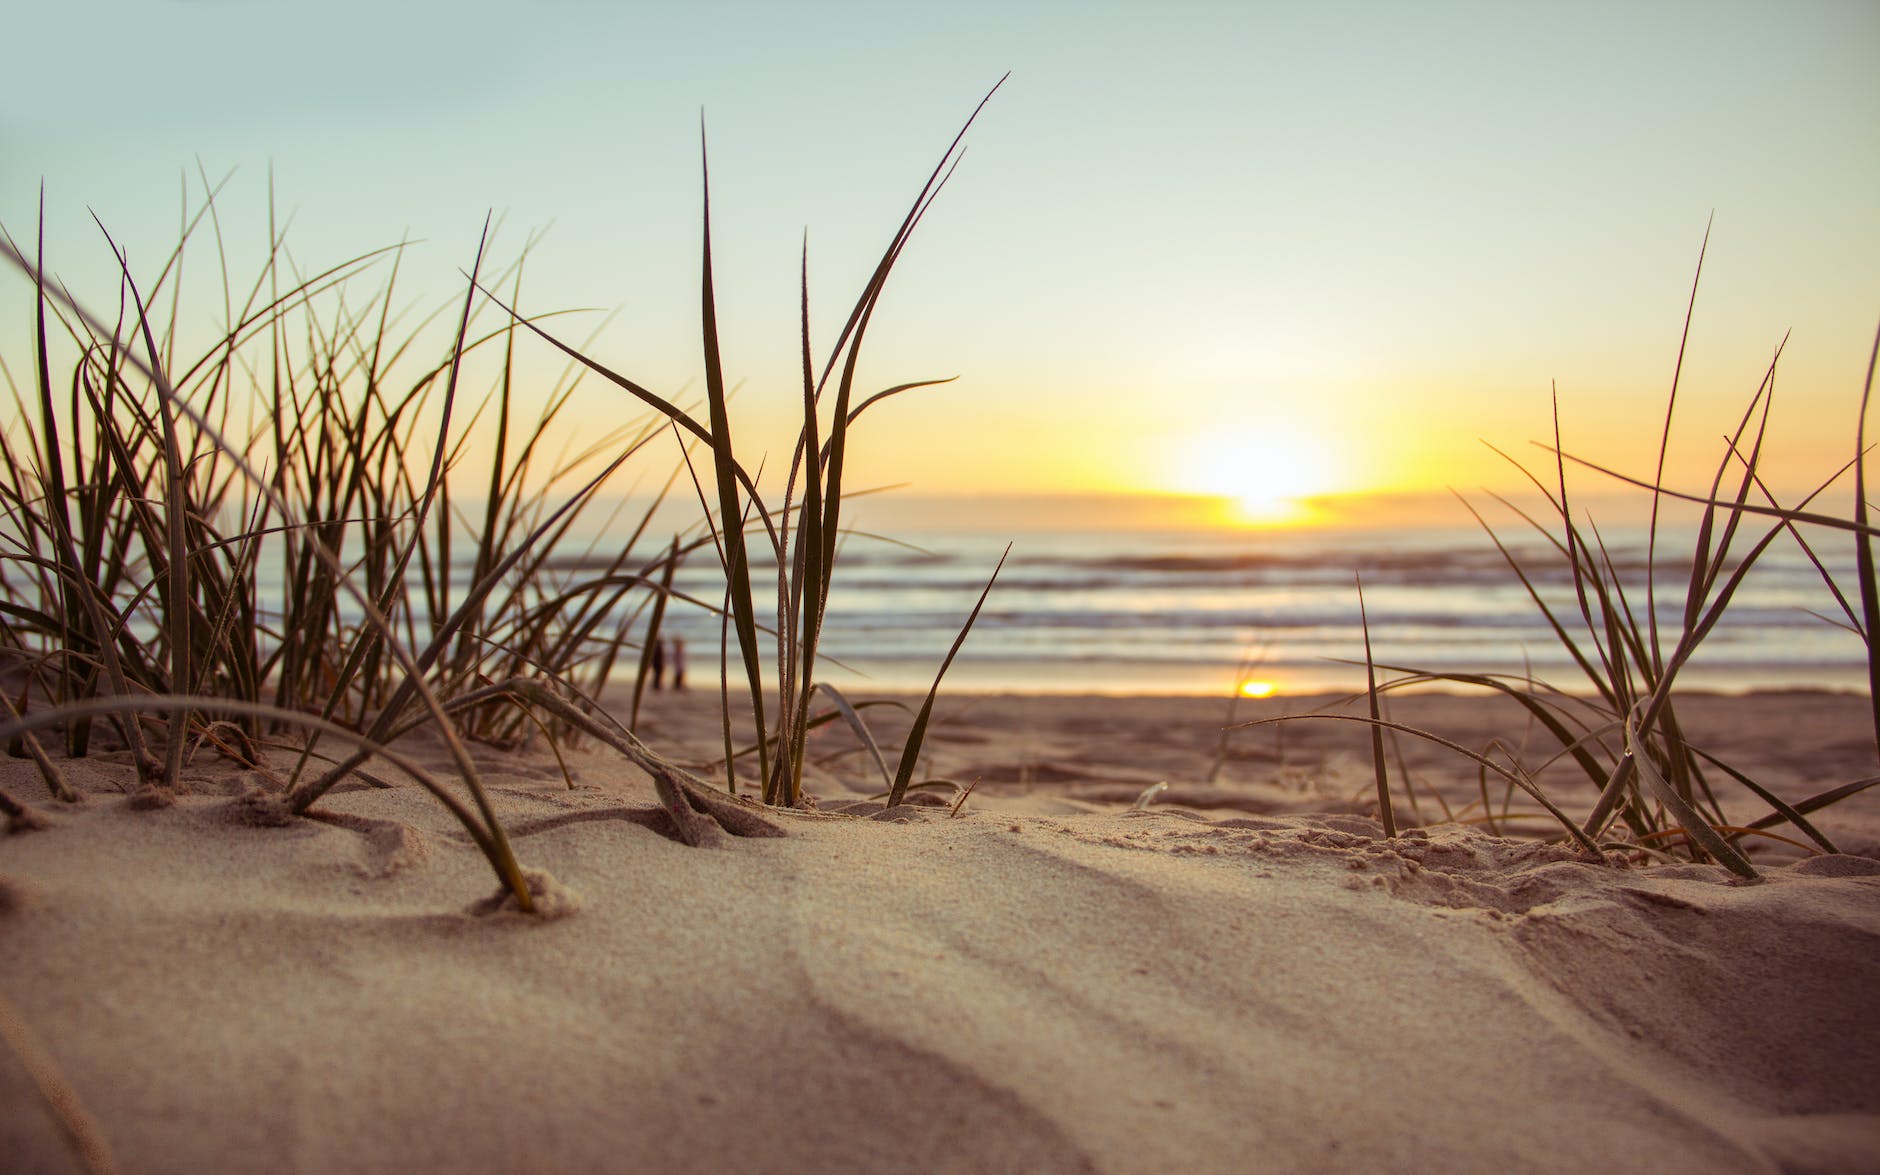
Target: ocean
[[1212, 612]]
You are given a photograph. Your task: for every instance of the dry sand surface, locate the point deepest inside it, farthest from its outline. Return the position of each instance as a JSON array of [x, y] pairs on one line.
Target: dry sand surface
[[1241, 976]]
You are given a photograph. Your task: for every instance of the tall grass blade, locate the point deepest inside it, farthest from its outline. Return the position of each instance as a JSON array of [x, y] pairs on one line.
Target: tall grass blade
[[1664, 445], [1863, 547], [176, 555], [799, 568], [57, 513], [917, 734], [1378, 767], [725, 470]]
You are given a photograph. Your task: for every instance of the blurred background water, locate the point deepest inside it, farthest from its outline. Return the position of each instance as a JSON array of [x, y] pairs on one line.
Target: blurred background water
[[1210, 612]]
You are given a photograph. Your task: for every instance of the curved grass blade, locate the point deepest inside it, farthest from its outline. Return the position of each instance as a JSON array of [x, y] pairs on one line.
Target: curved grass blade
[[494, 847], [1783, 809], [1526, 785], [1858, 525], [1815, 803], [917, 734], [1695, 826], [1574, 745], [860, 728]]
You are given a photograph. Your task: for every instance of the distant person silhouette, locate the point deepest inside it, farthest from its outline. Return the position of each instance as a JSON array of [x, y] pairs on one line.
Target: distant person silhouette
[[659, 664], [678, 662]]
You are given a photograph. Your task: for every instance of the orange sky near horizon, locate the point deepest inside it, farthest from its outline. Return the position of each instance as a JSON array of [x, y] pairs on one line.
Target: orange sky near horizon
[[1272, 254]]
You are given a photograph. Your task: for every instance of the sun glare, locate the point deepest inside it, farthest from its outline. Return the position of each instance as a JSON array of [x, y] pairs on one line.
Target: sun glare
[[1266, 477], [1257, 689]]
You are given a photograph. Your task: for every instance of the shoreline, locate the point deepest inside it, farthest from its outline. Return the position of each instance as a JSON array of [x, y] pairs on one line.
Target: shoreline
[[1323, 695], [1296, 680]]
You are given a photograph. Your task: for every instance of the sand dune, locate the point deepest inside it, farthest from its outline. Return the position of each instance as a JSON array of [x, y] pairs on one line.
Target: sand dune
[[1244, 975]]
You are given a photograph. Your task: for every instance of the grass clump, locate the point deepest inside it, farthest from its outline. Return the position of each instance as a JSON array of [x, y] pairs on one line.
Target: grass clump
[[137, 518], [801, 531], [1657, 789], [275, 534]]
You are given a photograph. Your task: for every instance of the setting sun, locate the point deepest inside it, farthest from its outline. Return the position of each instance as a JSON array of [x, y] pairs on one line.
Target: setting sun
[[1266, 476]]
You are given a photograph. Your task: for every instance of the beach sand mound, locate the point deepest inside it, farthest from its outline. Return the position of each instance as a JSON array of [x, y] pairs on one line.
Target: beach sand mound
[[1099, 988]]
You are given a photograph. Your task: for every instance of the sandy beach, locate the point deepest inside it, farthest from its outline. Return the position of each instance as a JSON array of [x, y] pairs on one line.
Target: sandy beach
[[402, 405], [1241, 974]]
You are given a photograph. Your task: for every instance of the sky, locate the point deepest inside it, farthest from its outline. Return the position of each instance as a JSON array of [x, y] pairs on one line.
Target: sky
[[1273, 251]]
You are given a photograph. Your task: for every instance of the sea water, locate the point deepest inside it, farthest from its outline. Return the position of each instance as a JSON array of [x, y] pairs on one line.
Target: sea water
[[1211, 612]]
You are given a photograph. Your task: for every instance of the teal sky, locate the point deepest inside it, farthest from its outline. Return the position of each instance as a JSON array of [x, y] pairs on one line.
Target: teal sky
[[1377, 230]]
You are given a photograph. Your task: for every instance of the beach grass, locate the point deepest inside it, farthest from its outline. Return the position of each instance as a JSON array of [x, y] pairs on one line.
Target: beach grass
[[1620, 728], [151, 548], [148, 486], [803, 529]]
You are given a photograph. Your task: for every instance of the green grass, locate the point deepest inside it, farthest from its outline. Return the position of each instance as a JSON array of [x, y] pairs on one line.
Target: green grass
[[142, 488]]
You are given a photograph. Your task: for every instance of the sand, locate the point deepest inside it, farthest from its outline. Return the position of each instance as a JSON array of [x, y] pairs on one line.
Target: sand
[[1243, 975]]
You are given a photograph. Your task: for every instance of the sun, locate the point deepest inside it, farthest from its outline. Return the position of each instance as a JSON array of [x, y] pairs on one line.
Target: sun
[[1267, 476]]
